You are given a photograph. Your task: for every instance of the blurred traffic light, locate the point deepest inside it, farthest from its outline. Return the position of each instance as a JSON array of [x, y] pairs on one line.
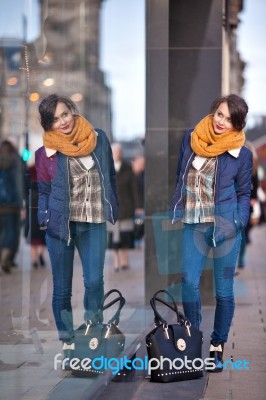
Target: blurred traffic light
[[26, 154]]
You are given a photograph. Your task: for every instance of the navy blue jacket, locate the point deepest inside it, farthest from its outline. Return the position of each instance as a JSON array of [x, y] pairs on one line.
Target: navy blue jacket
[[231, 189], [54, 187]]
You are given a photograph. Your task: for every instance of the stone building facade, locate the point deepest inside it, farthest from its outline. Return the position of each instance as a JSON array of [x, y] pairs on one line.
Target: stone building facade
[[63, 59]]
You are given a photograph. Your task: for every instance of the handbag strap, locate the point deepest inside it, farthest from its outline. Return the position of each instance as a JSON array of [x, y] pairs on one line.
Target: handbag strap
[[116, 317], [158, 319]]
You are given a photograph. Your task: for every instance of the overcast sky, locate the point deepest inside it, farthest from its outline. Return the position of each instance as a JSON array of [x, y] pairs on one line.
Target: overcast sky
[[123, 58], [123, 54]]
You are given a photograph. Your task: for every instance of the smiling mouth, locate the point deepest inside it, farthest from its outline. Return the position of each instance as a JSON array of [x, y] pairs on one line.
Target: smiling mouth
[[65, 127]]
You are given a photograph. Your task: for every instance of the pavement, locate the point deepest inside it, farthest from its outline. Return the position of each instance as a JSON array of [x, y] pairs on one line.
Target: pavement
[[29, 343]]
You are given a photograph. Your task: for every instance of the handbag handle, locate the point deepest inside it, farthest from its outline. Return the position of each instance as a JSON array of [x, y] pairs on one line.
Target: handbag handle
[[157, 316], [103, 307]]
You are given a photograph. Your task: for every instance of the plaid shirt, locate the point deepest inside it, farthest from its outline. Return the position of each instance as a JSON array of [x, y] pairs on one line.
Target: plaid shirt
[[85, 193], [199, 200]]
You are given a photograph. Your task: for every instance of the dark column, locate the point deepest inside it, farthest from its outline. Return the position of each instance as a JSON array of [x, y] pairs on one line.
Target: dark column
[[184, 58]]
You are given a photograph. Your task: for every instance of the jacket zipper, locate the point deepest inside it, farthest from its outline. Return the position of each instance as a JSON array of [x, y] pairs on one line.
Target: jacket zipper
[[214, 194], [69, 238], [104, 188], [181, 187]]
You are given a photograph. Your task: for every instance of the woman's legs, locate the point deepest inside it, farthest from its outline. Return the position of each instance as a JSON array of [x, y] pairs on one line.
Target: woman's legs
[[194, 251], [37, 255], [61, 257], [91, 241], [120, 259], [124, 258], [225, 259], [116, 260], [8, 223]]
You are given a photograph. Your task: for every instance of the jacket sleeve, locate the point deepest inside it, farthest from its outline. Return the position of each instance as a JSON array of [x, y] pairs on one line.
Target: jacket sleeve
[[243, 187], [44, 188], [112, 172]]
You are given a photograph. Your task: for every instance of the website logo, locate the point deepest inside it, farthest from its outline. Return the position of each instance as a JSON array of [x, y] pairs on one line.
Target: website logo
[[140, 364]]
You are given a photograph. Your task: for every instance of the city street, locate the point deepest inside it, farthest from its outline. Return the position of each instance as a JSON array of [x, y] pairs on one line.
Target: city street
[[28, 341]]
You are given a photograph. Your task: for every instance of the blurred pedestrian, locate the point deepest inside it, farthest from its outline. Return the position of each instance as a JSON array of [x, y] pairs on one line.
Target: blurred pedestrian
[[121, 235], [35, 236], [77, 195], [11, 203], [138, 166], [212, 198], [19, 216], [262, 201], [255, 210]]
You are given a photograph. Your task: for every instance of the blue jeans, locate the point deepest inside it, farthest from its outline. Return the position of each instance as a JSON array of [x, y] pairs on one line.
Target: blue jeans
[[90, 240], [196, 246]]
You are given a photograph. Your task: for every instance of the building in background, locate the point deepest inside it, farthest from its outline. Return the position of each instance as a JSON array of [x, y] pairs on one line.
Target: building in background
[[232, 64], [63, 59], [12, 84]]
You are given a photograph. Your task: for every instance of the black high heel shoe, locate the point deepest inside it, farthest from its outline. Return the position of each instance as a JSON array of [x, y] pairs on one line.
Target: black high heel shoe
[[42, 260], [216, 353]]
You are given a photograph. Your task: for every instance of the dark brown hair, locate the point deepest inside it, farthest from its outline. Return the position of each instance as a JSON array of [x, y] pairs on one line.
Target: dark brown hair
[[47, 109], [238, 109]]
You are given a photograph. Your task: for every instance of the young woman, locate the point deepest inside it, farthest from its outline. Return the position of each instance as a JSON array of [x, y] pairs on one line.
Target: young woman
[[212, 198], [77, 195]]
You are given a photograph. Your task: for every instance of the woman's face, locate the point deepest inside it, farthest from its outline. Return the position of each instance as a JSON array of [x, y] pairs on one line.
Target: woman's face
[[63, 119], [222, 120]]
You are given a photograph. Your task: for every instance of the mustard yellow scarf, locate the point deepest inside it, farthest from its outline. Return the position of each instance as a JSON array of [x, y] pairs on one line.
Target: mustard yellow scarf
[[206, 143], [79, 143]]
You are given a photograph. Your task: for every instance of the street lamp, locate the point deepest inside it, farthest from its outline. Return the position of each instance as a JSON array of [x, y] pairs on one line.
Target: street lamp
[[26, 152]]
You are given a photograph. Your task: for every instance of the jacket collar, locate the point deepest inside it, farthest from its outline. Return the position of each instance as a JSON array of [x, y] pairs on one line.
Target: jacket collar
[[234, 152], [199, 161], [49, 152]]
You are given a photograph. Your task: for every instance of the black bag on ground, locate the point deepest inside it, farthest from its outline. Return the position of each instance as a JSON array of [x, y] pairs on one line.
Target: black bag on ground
[[98, 340], [175, 348]]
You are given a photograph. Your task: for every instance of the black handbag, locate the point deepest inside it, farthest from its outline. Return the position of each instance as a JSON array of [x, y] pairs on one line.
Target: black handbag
[[96, 342], [174, 350]]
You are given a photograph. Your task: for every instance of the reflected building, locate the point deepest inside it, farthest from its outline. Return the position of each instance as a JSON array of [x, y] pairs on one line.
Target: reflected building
[[12, 83], [63, 59]]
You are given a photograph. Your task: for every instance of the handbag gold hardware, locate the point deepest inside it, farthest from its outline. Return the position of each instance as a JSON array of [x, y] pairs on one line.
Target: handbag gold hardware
[[165, 330], [108, 331], [188, 325], [93, 343], [181, 344]]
